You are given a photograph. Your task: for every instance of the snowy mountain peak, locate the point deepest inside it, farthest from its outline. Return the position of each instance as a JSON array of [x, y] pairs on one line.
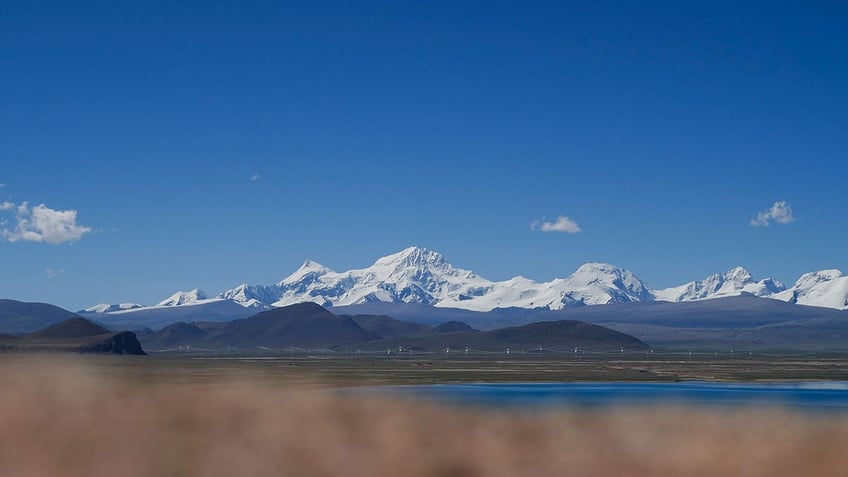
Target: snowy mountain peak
[[609, 275], [417, 264], [828, 288], [251, 296], [597, 270], [734, 282], [310, 265], [413, 257], [599, 267], [820, 276], [597, 283], [309, 268], [413, 275], [737, 274], [184, 298]]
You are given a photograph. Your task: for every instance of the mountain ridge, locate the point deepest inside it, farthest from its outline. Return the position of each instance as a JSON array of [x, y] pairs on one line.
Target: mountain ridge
[[310, 326], [422, 276]]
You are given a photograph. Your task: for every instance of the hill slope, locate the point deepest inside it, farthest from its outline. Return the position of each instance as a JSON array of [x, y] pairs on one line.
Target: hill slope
[[304, 325], [545, 336], [76, 327], [308, 325], [74, 335], [22, 317]]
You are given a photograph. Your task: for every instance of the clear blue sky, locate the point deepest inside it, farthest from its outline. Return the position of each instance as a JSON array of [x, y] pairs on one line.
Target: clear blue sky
[[661, 128]]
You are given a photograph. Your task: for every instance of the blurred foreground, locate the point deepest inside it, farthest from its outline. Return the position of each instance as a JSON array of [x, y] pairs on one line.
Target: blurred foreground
[[60, 416]]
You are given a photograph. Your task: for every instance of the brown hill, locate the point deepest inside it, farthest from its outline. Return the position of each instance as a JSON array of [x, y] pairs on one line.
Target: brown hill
[[452, 327], [388, 327], [561, 335], [308, 325], [301, 325], [74, 335], [305, 325], [72, 328]]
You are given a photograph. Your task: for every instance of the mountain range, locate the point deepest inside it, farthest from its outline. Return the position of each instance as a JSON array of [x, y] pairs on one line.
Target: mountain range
[[299, 327], [310, 326], [742, 322], [421, 276]]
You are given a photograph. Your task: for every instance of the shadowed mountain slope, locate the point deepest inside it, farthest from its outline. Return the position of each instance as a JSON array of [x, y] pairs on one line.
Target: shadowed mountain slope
[[451, 327], [305, 325], [72, 328], [21, 317], [308, 325], [550, 335], [388, 327]]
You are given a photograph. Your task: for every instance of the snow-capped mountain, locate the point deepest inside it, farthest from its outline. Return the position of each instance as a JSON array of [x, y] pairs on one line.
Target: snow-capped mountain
[[181, 298], [736, 281], [251, 296], [827, 288], [414, 275], [422, 276], [591, 284], [601, 283], [109, 308], [418, 275]]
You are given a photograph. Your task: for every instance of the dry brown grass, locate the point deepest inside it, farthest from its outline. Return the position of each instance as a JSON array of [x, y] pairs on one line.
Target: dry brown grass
[[69, 419]]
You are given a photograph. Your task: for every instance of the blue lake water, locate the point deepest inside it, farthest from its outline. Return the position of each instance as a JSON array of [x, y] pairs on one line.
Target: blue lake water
[[813, 395]]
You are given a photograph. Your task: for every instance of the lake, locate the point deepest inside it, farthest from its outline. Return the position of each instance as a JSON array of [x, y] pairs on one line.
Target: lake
[[813, 395]]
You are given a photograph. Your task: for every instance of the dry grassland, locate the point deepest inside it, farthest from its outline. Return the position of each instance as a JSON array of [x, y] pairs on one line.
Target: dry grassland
[[60, 417]]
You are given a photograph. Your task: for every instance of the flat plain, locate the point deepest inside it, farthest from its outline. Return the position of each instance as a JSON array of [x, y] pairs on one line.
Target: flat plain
[[194, 415], [338, 369]]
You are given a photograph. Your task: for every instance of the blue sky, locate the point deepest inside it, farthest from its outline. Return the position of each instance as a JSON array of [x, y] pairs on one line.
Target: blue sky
[[209, 143]]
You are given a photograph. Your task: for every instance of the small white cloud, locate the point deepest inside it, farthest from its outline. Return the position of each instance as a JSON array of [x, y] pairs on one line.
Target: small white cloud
[[43, 224], [254, 177], [780, 212], [561, 224], [7, 206], [54, 272]]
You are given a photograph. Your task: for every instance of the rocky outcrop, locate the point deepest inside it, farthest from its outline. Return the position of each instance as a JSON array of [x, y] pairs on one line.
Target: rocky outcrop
[[124, 342]]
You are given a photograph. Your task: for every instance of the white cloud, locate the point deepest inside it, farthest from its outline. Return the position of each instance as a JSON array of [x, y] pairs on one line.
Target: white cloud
[[53, 272], [254, 177], [561, 224], [43, 224], [780, 212]]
